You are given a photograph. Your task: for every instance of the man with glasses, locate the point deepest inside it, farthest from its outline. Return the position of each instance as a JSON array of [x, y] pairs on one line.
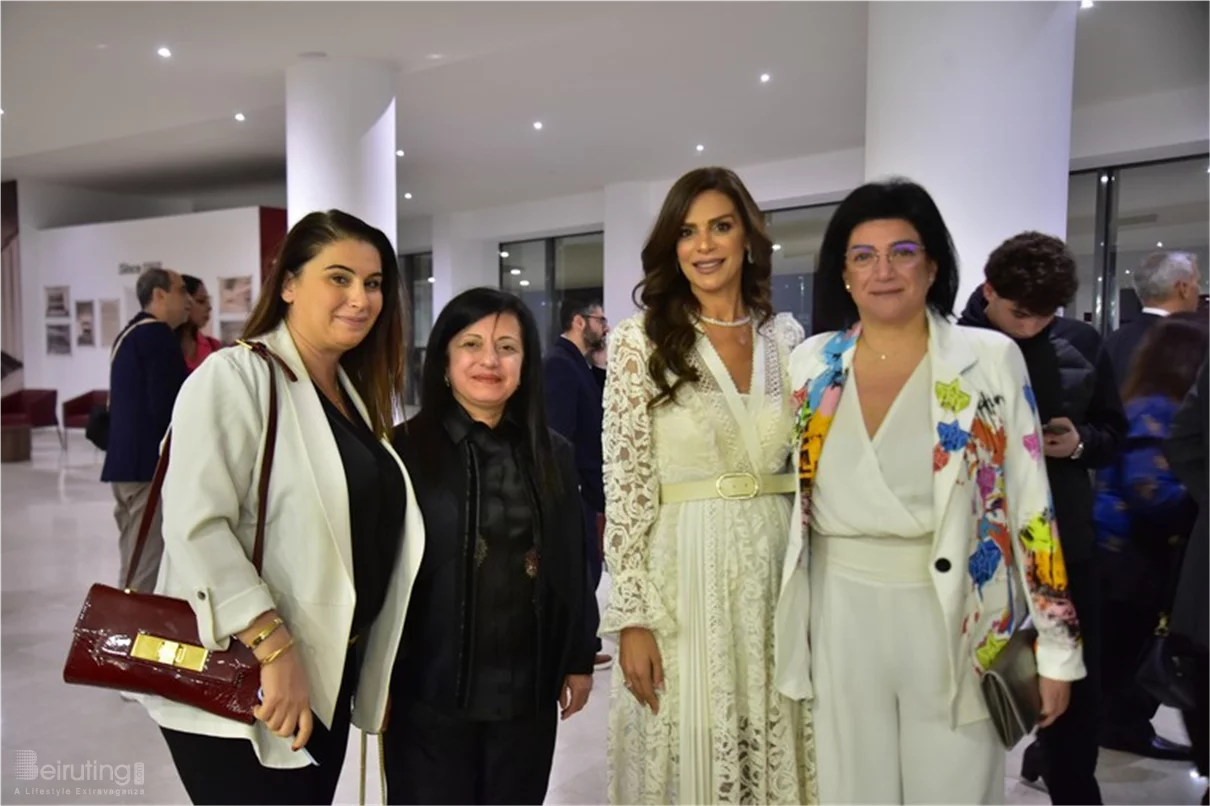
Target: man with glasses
[[574, 408]]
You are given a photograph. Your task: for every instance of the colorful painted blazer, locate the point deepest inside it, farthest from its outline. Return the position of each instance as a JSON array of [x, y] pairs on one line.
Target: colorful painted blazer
[[995, 524]]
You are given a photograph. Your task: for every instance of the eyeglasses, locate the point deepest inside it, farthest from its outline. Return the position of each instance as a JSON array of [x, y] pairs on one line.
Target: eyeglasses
[[902, 255], [597, 316]]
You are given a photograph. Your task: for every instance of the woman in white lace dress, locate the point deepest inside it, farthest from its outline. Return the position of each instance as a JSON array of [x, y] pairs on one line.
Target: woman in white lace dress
[[698, 423]]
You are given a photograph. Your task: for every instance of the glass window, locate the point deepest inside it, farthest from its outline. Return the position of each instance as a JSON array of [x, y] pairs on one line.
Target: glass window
[[797, 234], [1161, 206], [579, 270], [1081, 240], [417, 278], [523, 272], [542, 272]]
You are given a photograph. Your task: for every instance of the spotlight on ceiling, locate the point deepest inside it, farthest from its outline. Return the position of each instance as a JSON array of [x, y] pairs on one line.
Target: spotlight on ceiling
[[538, 125], [700, 148], [524, 283], [1085, 3], [514, 272], [399, 152], [165, 53], [504, 254], [240, 117], [432, 279], [776, 247], [407, 196], [764, 78]]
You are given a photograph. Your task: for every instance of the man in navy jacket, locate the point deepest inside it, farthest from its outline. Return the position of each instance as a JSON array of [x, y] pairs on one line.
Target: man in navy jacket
[[574, 409], [146, 371], [1166, 283]]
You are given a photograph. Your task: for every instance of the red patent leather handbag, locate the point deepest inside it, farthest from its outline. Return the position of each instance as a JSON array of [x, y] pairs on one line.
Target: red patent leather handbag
[[148, 644]]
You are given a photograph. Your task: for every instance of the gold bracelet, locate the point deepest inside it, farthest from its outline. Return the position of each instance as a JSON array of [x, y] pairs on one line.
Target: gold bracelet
[[277, 654], [265, 633]]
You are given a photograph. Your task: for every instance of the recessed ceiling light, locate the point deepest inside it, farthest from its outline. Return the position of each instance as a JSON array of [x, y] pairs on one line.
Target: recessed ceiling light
[[240, 117], [700, 148], [1159, 244], [407, 196], [776, 247], [1, 111], [1128, 272], [524, 283], [432, 279], [1085, 3], [399, 152], [538, 125], [764, 78], [1104, 180], [165, 53], [514, 272], [504, 254]]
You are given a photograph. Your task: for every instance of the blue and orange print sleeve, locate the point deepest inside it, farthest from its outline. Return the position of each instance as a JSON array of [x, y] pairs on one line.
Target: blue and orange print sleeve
[[1037, 548]]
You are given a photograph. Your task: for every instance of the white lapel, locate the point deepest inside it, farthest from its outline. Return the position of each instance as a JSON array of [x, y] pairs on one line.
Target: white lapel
[[325, 465], [952, 407]]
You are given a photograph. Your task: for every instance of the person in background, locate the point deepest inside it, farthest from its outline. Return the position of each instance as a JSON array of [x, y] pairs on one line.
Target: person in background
[[343, 536], [495, 641], [1143, 515], [146, 371], [195, 344], [1188, 451], [698, 418], [574, 409], [1028, 278], [924, 518], [1166, 283]]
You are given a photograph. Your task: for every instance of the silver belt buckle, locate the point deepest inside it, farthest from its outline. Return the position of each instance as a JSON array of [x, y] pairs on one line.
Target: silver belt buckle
[[737, 486]]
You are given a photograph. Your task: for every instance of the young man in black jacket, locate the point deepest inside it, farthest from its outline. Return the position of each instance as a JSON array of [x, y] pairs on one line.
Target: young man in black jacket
[[1028, 278]]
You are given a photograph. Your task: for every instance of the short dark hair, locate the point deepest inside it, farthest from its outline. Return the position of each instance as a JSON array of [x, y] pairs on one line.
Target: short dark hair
[[574, 305], [148, 282], [192, 284], [833, 306], [1034, 271], [527, 405]]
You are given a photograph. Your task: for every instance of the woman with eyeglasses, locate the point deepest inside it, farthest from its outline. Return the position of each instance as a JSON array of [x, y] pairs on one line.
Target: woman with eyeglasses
[[923, 527]]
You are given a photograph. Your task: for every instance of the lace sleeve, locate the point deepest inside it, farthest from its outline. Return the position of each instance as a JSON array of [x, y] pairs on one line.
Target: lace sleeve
[[631, 484], [788, 331]]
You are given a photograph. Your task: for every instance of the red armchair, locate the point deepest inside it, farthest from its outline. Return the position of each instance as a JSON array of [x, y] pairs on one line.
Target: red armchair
[[77, 410], [32, 407]]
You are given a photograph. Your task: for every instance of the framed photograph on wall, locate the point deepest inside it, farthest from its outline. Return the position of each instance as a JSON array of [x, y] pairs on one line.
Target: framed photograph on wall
[[58, 302], [230, 331], [86, 333], [235, 295], [58, 339], [111, 321]]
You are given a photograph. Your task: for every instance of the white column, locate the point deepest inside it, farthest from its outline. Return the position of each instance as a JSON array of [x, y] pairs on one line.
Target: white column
[[340, 140], [459, 262], [630, 213], [973, 101]]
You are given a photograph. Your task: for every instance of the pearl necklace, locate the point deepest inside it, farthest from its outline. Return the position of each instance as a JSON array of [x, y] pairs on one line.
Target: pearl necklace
[[743, 320]]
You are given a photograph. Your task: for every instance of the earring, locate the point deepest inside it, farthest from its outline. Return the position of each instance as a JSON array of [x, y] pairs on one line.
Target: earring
[[750, 254], [447, 379], [848, 288]]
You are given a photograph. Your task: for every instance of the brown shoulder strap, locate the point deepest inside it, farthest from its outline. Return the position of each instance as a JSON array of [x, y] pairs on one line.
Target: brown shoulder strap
[[153, 498]]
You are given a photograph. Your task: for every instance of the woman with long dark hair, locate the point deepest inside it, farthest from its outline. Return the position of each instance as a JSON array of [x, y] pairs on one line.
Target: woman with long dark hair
[[923, 528], [324, 610], [497, 636], [195, 344], [698, 420], [1143, 515]]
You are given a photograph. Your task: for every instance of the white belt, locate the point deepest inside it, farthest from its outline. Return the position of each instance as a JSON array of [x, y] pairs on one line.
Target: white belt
[[730, 487]]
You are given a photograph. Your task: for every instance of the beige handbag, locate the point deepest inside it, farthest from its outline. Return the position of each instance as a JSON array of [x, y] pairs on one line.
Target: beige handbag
[[1010, 687]]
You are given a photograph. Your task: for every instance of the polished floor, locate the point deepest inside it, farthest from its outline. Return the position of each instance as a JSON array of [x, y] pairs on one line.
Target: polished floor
[[58, 537]]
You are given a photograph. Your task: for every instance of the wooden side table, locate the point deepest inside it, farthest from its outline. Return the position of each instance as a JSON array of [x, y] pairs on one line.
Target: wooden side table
[[15, 443]]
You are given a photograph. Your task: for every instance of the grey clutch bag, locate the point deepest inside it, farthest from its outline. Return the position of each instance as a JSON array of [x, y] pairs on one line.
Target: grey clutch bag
[[1010, 688]]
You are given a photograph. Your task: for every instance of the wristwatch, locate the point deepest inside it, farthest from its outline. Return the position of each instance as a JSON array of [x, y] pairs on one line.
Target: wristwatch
[[1078, 452]]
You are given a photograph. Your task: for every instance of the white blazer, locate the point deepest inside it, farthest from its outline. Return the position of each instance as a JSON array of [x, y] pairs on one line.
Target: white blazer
[[995, 551], [209, 511]]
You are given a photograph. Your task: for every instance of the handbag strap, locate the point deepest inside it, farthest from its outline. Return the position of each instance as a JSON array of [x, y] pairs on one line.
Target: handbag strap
[[113, 353], [161, 470]]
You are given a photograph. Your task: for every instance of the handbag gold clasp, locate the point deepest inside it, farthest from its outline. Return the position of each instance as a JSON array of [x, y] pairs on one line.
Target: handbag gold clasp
[[169, 652]]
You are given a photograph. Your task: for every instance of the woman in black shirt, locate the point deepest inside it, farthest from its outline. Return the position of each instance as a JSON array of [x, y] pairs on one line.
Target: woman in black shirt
[[497, 633]]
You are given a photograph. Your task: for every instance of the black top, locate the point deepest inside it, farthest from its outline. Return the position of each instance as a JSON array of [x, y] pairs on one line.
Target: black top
[[377, 500], [502, 672]]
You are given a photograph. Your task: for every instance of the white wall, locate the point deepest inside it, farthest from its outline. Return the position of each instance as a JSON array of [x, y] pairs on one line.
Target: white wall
[[1175, 123], [85, 258]]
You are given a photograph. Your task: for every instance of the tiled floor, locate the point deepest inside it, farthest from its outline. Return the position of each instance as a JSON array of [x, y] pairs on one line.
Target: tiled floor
[[58, 537]]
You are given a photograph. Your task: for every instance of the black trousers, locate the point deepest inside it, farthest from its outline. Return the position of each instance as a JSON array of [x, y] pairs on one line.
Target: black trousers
[[1128, 708], [218, 770], [435, 758], [1066, 752], [1197, 721]]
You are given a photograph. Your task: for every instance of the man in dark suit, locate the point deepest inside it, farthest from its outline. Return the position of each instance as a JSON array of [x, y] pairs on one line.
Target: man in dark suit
[[574, 409], [1166, 283], [146, 371]]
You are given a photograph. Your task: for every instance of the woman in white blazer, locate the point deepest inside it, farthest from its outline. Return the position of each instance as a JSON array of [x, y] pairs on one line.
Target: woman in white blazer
[[343, 537], [925, 525]]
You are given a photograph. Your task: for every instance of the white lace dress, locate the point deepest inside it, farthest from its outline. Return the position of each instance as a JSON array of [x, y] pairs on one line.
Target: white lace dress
[[704, 576]]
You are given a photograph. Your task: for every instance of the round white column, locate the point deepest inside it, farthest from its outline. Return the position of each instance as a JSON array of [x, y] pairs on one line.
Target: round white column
[[973, 101], [340, 140]]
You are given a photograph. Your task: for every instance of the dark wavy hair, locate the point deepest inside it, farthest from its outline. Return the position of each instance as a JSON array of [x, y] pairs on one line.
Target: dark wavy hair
[[1035, 272], [833, 307], [664, 292], [527, 406], [188, 329], [1169, 358], [376, 365]]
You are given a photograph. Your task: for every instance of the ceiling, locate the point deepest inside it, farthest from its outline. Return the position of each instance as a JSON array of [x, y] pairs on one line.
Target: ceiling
[[624, 90]]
